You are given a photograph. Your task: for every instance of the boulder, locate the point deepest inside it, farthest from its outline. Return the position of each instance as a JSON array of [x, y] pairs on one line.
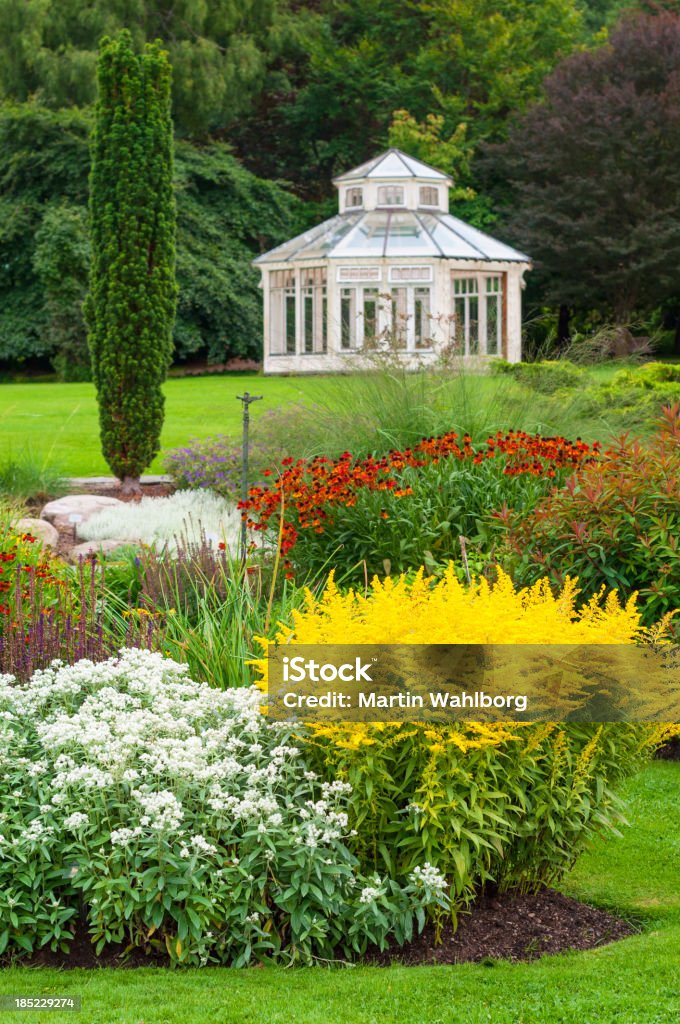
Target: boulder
[[66, 513], [96, 547], [40, 529]]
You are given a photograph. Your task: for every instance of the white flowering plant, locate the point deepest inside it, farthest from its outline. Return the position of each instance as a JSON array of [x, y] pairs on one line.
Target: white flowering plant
[[162, 814]]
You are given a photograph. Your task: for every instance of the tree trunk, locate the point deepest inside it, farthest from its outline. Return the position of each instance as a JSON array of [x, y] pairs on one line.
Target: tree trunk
[[130, 486], [563, 332]]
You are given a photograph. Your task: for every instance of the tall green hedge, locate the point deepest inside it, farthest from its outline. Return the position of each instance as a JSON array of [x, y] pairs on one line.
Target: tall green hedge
[[133, 292]]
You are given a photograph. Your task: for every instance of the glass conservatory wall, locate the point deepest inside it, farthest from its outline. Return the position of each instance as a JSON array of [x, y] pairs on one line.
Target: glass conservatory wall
[[298, 322], [400, 318], [477, 321]]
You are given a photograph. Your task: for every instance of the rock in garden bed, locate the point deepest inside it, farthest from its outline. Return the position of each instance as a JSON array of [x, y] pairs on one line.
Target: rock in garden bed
[[96, 547], [513, 927], [43, 531], [66, 512]]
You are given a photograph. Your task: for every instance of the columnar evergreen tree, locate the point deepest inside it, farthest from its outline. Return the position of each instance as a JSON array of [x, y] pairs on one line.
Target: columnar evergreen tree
[[133, 294]]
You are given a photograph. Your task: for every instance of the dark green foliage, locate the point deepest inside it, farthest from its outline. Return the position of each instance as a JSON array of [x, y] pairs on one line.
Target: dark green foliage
[[595, 169], [471, 62], [218, 49], [44, 164], [225, 217], [131, 304], [61, 260]]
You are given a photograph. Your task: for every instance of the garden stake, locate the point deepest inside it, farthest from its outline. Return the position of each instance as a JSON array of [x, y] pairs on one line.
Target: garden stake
[[463, 551], [246, 398]]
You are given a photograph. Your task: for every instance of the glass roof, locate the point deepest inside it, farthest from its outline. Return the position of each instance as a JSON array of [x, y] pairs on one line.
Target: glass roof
[[385, 233], [393, 164]]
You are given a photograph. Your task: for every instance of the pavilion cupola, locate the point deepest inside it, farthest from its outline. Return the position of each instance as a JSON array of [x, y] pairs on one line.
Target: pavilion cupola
[[393, 181]]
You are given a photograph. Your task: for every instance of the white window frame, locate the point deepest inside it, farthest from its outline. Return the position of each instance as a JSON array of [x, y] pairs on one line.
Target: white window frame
[[357, 327], [391, 189], [349, 204], [410, 275], [358, 275], [312, 282], [282, 285], [481, 294], [422, 202], [410, 314]]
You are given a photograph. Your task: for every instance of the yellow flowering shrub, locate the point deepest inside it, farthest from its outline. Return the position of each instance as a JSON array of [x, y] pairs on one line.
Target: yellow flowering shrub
[[503, 803]]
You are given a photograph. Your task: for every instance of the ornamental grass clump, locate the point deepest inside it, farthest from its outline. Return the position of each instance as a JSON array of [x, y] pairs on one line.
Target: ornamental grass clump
[[203, 604], [503, 804], [167, 816]]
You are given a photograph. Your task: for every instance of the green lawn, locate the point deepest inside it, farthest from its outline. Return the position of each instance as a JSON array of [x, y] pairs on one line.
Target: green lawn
[[636, 981], [57, 423]]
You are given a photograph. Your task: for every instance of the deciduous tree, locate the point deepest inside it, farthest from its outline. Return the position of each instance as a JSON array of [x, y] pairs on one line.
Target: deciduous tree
[[595, 173], [219, 50]]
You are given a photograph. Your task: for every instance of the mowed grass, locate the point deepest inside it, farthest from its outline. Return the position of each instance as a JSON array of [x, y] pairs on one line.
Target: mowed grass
[[636, 981], [57, 424]]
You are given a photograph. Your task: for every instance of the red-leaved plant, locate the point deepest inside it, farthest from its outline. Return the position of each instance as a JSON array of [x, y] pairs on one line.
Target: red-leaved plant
[[614, 523]]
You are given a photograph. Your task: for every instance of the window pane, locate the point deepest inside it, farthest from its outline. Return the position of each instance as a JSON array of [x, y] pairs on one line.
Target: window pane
[[473, 332], [390, 195], [347, 318], [308, 305], [290, 323], [459, 324], [493, 324], [399, 318], [370, 316], [465, 285], [429, 196], [421, 309], [324, 321]]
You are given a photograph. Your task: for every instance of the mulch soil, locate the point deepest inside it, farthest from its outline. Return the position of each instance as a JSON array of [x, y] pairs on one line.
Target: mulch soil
[[511, 927], [670, 751]]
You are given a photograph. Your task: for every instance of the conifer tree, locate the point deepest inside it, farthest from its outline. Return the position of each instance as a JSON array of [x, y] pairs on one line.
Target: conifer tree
[[132, 299]]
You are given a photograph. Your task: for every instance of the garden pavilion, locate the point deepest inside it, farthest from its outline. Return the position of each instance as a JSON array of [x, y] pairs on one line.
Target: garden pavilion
[[393, 270]]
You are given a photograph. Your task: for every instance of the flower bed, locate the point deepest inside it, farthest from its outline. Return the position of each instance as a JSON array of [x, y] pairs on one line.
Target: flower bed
[[614, 524], [171, 817], [396, 507], [513, 804]]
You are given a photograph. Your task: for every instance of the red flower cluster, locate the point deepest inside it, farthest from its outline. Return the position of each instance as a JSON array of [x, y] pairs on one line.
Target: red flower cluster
[[313, 487], [41, 571]]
